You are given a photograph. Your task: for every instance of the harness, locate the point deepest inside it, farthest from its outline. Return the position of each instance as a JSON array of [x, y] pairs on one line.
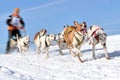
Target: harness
[[46, 44], [95, 35], [78, 39], [25, 44], [40, 36]]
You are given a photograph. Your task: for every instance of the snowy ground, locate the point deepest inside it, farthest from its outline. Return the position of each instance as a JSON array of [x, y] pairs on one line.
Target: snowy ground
[[34, 66]]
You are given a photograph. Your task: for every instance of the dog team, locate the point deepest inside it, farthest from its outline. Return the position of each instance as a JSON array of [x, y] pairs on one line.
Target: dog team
[[72, 37]]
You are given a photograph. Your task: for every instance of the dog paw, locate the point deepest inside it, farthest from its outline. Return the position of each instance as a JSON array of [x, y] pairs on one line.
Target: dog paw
[[108, 58], [82, 61], [74, 55], [94, 58], [47, 57]]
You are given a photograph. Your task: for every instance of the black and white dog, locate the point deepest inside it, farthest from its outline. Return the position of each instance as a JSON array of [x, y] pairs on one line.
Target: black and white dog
[[97, 35], [44, 42], [23, 43]]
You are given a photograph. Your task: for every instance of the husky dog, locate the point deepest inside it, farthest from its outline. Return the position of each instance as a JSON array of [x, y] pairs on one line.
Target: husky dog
[[44, 42], [23, 43], [97, 35], [61, 43]]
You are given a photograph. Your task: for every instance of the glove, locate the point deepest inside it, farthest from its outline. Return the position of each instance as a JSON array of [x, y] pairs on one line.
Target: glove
[[20, 28]]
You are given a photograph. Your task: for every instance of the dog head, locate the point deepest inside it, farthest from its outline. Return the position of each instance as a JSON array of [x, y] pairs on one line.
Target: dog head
[[102, 38], [42, 32], [52, 37], [26, 39]]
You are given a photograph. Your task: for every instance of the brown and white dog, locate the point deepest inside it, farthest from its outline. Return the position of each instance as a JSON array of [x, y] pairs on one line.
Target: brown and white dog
[[74, 37], [23, 43], [97, 35], [44, 42], [39, 34]]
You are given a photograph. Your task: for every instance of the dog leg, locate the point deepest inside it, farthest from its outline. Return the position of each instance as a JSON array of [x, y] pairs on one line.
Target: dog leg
[[78, 53], [24, 49], [47, 54], [79, 57], [105, 49], [60, 50], [72, 53], [20, 49], [93, 51], [79, 47], [38, 49]]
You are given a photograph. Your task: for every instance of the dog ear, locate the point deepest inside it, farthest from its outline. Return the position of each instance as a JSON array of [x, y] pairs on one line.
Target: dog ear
[[67, 25], [91, 27], [48, 35], [105, 34], [45, 31], [59, 33], [102, 29]]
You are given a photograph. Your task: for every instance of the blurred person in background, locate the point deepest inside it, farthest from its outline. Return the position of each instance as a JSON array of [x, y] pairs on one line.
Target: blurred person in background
[[15, 24]]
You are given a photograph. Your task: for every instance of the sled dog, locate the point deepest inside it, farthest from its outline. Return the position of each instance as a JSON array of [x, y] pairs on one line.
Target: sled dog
[[97, 35], [74, 37], [44, 42], [23, 43]]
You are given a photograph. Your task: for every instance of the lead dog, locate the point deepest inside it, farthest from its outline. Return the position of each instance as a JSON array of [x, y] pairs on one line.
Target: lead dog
[[97, 35], [74, 37], [44, 42]]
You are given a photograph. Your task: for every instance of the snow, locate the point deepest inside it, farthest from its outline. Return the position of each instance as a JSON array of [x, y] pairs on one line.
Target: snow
[[32, 66]]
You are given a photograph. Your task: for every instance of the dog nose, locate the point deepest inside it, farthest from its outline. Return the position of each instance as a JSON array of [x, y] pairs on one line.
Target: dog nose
[[104, 44]]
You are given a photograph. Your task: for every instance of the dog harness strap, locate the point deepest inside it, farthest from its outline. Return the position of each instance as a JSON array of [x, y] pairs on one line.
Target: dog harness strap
[[95, 35], [39, 35], [78, 33], [46, 44], [78, 39], [94, 32], [25, 44]]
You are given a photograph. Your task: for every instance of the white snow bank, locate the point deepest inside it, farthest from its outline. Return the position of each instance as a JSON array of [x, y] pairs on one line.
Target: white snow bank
[[32, 66]]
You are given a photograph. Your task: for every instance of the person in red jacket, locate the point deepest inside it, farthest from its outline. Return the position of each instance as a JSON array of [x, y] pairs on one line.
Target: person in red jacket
[[15, 24]]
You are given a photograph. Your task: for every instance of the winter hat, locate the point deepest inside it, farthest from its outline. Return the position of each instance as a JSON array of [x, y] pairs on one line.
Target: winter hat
[[16, 10]]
